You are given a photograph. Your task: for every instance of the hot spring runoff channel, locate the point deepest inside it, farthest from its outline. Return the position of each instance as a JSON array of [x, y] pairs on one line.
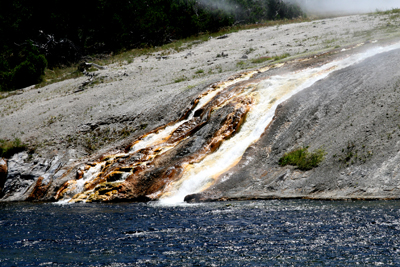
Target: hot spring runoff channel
[[254, 99]]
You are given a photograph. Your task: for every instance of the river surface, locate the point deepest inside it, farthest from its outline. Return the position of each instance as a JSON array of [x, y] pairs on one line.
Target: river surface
[[248, 233]]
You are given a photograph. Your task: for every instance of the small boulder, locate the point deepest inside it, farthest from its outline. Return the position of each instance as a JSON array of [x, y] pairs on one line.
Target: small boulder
[[223, 36]]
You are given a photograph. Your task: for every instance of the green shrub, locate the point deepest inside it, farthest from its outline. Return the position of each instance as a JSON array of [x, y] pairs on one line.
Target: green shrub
[[26, 68], [303, 159], [29, 72], [9, 148]]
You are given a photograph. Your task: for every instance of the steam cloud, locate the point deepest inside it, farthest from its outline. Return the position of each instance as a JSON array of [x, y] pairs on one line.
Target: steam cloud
[[345, 6]]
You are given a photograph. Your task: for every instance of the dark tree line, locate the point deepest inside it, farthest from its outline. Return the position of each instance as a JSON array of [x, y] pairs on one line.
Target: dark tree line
[[63, 31]]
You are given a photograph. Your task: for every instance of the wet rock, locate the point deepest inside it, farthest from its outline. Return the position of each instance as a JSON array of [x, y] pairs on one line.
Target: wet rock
[[169, 167], [3, 173], [20, 177], [34, 178], [39, 190], [103, 192], [195, 198]]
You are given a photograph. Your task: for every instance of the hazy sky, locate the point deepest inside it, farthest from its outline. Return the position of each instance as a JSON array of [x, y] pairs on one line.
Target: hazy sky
[[346, 6]]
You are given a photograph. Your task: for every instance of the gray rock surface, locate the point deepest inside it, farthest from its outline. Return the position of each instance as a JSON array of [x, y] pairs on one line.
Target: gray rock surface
[[24, 173]]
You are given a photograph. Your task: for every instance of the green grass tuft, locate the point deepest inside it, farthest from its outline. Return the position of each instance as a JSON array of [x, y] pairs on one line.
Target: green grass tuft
[[261, 60], [279, 57], [9, 148], [200, 71], [303, 159], [180, 79], [266, 58]]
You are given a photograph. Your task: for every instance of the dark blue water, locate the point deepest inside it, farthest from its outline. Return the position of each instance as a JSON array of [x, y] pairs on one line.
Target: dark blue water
[[256, 233]]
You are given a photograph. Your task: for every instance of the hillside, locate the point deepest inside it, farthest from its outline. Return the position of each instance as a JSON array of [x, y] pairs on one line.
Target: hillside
[[75, 121]]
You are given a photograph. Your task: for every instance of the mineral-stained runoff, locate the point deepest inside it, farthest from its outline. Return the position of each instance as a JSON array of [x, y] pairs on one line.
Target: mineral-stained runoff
[[168, 113], [192, 154]]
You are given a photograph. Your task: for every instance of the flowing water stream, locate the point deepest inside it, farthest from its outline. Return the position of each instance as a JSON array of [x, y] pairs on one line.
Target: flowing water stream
[[256, 98], [269, 93]]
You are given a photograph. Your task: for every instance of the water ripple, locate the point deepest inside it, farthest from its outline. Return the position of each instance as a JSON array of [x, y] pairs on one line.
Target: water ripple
[[252, 233]]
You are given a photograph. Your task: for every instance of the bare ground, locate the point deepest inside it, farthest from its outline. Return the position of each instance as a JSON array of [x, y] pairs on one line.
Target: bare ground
[[128, 99]]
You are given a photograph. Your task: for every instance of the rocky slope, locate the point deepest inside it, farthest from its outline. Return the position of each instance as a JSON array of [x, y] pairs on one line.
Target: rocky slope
[[353, 115], [352, 111]]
